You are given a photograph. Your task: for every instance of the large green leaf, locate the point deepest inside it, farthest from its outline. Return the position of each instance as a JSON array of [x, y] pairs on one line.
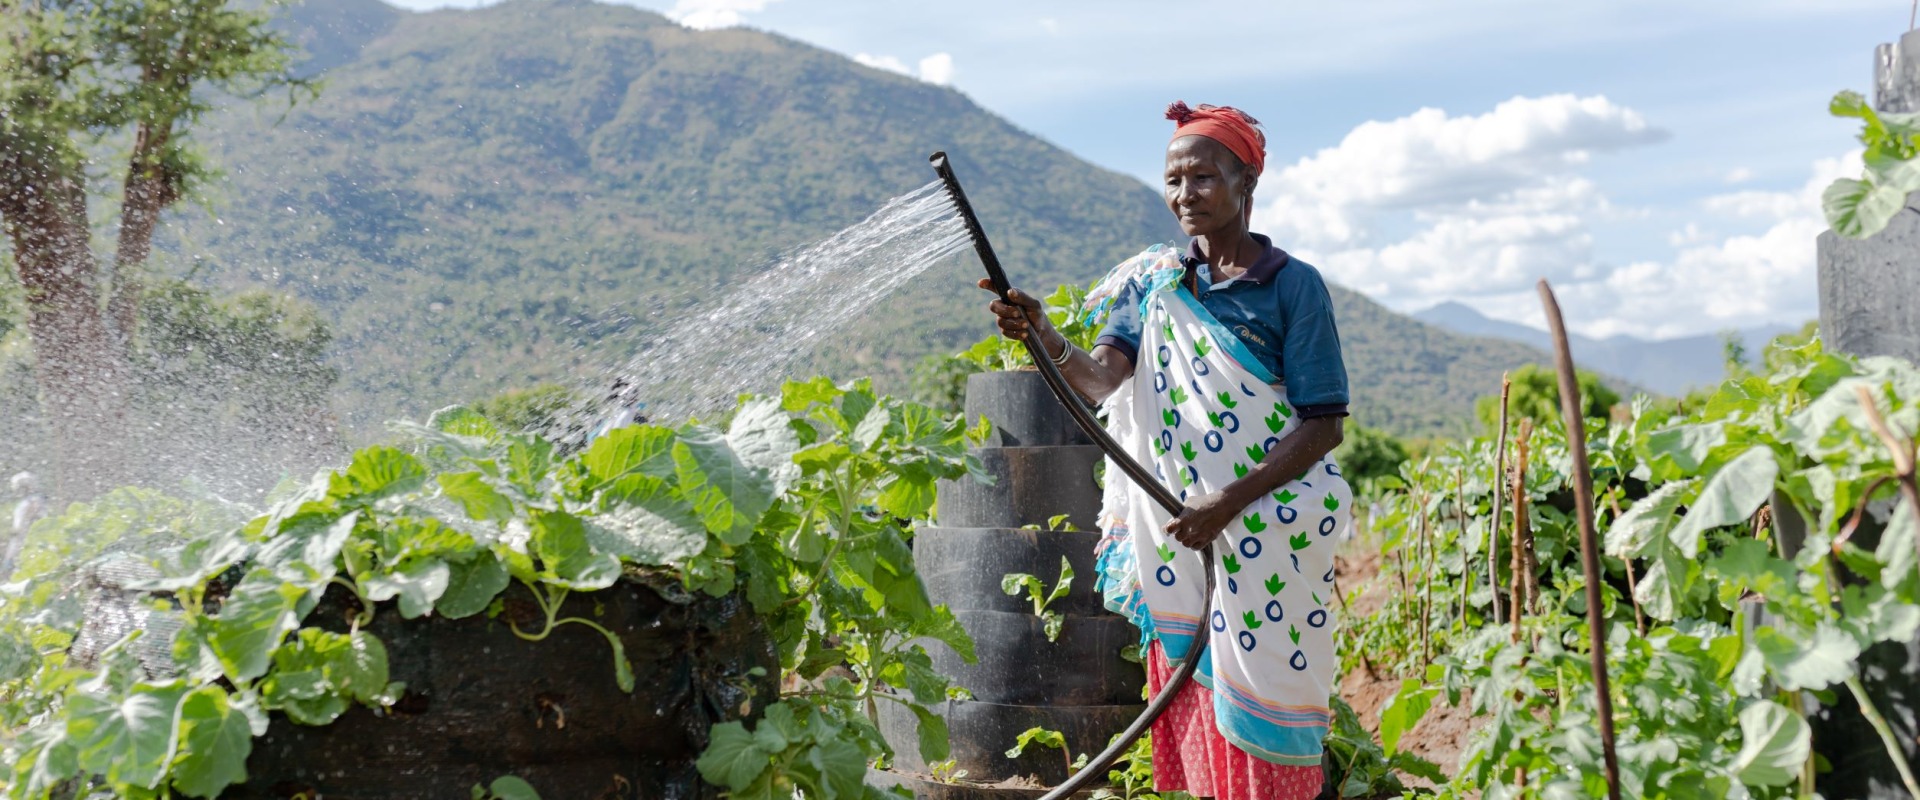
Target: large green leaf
[[418, 583], [663, 531], [729, 495], [1859, 209], [472, 586], [1682, 450], [560, 540], [1634, 533], [1663, 590], [510, 787], [762, 436], [1403, 711], [1731, 495], [631, 451], [1814, 661], [911, 493], [317, 673], [130, 739], [44, 756], [251, 623], [845, 767], [732, 758], [1774, 743], [476, 497], [377, 473], [217, 740], [1896, 549], [360, 669]]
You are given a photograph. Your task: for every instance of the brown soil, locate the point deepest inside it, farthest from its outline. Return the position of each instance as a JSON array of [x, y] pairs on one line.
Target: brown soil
[[1442, 734]]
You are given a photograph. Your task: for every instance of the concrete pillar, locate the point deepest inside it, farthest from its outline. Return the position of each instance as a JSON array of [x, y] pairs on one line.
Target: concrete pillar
[[1870, 288], [1870, 306]]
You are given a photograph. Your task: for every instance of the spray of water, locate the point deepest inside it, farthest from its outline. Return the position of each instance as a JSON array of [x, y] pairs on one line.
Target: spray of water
[[749, 336]]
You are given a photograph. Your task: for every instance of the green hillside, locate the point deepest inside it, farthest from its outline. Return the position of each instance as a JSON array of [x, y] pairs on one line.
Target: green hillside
[[489, 198]]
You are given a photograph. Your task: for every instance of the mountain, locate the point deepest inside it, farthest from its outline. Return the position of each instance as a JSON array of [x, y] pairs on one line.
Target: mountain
[[1667, 366], [485, 199]]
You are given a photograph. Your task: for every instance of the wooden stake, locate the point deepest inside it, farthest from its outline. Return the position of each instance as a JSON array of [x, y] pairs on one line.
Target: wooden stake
[[1499, 494], [1466, 568], [1519, 489], [1589, 550]]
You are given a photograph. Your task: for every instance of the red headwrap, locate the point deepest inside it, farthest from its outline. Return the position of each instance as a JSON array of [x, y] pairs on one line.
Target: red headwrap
[[1224, 124]]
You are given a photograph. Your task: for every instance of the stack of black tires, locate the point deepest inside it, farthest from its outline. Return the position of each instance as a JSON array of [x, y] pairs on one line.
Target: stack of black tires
[[1082, 685]]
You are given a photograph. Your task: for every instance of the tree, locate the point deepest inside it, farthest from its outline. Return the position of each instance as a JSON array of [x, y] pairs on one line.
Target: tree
[[1536, 396], [76, 78], [1367, 454]]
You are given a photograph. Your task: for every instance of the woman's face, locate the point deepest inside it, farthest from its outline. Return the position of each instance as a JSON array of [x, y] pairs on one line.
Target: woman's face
[[1206, 188]]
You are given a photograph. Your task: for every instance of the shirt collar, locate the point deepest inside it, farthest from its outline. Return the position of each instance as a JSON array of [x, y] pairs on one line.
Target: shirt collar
[[1264, 268]]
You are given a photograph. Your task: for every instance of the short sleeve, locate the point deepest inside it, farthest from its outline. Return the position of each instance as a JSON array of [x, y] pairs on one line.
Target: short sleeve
[[1312, 366], [1122, 329]]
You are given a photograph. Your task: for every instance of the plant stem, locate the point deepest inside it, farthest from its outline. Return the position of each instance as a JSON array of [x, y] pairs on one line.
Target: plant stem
[[1426, 585], [1903, 462], [1570, 407], [1466, 569], [1633, 588], [1880, 726], [1499, 495]]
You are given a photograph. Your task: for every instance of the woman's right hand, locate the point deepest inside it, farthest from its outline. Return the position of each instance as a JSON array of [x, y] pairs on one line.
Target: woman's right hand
[[1023, 316]]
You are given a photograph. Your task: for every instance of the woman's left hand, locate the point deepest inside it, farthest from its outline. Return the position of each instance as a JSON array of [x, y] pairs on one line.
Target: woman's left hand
[[1202, 520]]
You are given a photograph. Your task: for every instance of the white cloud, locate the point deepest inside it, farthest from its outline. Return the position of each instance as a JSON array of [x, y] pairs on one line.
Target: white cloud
[[1739, 175], [1738, 281], [936, 69], [711, 14], [888, 63], [1429, 206], [1691, 234]]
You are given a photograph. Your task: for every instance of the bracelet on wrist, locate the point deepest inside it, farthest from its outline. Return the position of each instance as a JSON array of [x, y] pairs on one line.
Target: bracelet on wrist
[[1066, 351]]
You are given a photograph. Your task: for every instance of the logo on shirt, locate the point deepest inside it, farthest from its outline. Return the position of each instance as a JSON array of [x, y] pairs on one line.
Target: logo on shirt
[[1248, 334]]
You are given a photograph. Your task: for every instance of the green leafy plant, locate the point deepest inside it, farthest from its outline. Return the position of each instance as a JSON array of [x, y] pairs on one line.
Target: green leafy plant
[[1132, 776], [947, 772], [1862, 208], [998, 353], [1721, 630], [1014, 582], [1041, 737], [505, 787], [802, 502], [1362, 768]]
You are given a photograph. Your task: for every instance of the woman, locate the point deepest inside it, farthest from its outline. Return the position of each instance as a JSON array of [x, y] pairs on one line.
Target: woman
[[1220, 369]]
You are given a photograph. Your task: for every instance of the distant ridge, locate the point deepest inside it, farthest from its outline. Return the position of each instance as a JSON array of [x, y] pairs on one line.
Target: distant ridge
[[484, 199], [1667, 366]]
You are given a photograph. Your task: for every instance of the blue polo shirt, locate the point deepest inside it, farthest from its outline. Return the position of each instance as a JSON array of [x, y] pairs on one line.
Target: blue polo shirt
[[1279, 307]]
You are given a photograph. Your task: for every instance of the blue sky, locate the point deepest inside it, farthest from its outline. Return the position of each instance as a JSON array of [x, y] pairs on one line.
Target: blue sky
[[1659, 161]]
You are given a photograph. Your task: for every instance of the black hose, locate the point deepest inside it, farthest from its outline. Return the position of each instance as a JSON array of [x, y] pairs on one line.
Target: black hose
[[1083, 417]]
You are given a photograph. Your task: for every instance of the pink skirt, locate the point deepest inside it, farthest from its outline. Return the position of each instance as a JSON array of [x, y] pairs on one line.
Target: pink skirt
[[1190, 755]]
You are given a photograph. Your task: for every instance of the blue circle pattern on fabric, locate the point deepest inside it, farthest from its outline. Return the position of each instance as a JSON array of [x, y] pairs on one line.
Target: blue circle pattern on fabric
[[1215, 441], [1250, 547], [1275, 611], [1317, 618]]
